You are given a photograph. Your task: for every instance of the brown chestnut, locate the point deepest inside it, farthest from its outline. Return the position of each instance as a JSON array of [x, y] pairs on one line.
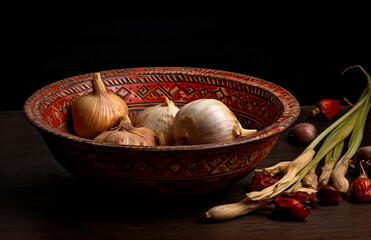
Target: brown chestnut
[[363, 154], [303, 133]]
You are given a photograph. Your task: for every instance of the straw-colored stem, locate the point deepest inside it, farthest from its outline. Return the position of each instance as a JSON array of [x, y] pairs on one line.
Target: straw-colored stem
[[335, 137], [240, 131], [330, 161], [338, 175], [276, 169], [286, 181], [233, 210], [321, 136]]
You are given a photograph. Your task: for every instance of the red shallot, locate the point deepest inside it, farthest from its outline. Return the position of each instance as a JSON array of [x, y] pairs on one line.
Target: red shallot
[[328, 108]]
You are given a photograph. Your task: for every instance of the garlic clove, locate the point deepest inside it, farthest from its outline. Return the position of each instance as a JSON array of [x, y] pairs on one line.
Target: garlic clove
[[325, 176], [311, 180]]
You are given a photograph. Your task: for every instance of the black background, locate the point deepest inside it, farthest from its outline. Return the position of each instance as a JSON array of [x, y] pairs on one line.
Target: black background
[[303, 49]]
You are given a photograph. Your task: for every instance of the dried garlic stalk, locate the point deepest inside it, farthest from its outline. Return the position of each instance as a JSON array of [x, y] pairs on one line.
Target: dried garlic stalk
[[286, 181], [229, 211], [311, 179], [338, 175], [276, 169], [330, 161]]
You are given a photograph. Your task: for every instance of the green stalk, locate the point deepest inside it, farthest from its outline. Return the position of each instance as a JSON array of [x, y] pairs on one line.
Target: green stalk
[[334, 138], [338, 174], [365, 95], [323, 134], [330, 161], [337, 152], [330, 155], [333, 154], [339, 131], [357, 134], [352, 122]]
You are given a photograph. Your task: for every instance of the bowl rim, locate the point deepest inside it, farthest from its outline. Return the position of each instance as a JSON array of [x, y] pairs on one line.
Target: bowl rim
[[291, 107]]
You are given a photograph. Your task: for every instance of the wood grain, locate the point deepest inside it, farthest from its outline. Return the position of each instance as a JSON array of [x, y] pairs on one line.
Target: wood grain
[[41, 200]]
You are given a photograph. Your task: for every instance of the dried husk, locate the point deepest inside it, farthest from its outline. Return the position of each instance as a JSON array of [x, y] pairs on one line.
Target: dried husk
[[277, 169], [331, 159], [325, 176], [286, 181], [300, 187], [360, 189], [126, 134], [311, 180]]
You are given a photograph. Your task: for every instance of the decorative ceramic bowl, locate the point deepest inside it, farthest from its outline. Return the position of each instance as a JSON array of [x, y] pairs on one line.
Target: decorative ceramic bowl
[[165, 170]]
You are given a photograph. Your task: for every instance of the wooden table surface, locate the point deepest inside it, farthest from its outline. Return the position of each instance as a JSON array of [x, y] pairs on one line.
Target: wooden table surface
[[41, 200]]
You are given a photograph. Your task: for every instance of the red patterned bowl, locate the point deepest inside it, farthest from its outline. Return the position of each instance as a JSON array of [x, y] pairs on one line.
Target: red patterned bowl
[[165, 170]]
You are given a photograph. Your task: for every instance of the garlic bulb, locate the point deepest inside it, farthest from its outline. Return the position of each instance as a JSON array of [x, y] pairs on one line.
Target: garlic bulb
[[207, 121], [126, 134], [97, 111], [160, 119]]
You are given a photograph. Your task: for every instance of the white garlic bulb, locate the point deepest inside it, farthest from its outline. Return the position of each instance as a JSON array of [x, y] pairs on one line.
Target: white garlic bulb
[[207, 121], [160, 119]]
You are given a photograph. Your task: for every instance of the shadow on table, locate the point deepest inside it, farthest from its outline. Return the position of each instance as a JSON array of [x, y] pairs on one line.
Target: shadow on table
[[69, 199]]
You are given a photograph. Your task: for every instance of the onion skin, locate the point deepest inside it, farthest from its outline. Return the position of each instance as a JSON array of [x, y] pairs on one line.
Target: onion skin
[[328, 194], [301, 196], [97, 111], [290, 207], [328, 108], [360, 189], [261, 181], [303, 133]]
